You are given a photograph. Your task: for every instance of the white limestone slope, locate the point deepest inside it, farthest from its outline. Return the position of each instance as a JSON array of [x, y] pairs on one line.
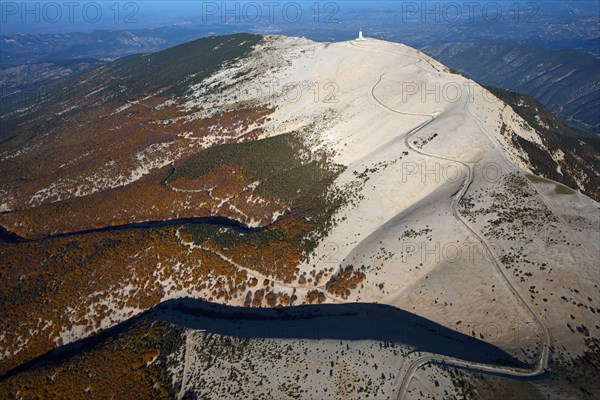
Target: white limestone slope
[[360, 101]]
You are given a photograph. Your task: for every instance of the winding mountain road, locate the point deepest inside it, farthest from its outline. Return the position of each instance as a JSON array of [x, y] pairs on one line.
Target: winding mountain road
[[410, 368]]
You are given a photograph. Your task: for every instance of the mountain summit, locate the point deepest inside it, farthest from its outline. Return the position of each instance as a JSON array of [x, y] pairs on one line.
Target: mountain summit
[[279, 173]]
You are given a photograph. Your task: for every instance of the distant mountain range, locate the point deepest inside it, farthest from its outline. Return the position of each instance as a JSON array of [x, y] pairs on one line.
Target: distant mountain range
[[567, 81], [106, 45]]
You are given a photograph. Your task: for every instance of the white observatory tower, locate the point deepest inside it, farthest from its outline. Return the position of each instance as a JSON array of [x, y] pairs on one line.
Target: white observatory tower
[[360, 35]]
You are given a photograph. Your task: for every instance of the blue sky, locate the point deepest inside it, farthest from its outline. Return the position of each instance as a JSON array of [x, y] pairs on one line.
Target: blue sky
[[71, 16]]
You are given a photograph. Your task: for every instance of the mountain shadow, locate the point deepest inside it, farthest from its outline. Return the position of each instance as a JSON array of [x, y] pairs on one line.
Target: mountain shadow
[[327, 322]]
